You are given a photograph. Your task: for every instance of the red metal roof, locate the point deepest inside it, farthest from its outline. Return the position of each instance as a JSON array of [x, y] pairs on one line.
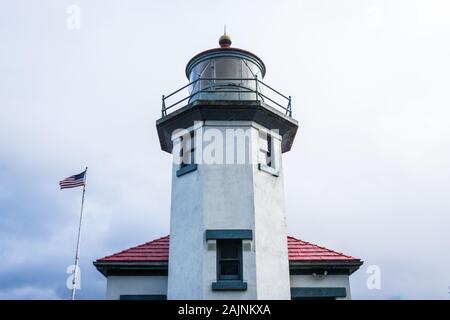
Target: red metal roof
[[299, 250], [158, 250]]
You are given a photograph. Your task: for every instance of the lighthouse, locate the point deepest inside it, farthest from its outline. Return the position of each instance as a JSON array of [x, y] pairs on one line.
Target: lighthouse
[[227, 130], [227, 223]]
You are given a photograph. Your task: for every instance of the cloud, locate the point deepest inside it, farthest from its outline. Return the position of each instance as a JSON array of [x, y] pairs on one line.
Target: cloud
[[28, 293]]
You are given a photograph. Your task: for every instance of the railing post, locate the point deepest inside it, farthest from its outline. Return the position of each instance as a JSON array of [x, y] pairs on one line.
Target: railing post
[[256, 86], [163, 109], [289, 107]]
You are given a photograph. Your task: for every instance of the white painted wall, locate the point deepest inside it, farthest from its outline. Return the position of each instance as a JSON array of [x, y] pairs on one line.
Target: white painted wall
[[186, 237], [223, 196], [132, 285], [135, 285], [272, 264], [332, 281]]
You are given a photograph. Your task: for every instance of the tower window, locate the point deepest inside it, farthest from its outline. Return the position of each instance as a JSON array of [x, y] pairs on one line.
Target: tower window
[[229, 259], [187, 152], [228, 243], [265, 147], [267, 159], [269, 151]]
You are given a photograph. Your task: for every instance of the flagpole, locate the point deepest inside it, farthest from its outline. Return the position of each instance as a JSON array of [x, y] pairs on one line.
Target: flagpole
[[77, 254]]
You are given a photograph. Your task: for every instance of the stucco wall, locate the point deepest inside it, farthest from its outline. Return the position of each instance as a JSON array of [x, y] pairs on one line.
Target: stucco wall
[[228, 196], [135, 285], [228, 204], [272, 266], [145, 285], [186, 236]]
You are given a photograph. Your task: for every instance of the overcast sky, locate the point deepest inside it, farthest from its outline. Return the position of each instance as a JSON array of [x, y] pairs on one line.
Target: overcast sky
[[368, 174]]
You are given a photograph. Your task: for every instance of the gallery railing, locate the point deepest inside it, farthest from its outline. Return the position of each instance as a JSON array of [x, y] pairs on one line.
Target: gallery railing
[[217, 87]]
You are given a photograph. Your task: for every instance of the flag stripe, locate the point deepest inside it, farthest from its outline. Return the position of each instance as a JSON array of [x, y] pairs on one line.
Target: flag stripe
[[72, 184]]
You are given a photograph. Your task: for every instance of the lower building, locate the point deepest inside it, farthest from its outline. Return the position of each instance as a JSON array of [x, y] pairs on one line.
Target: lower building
[[141, 272]]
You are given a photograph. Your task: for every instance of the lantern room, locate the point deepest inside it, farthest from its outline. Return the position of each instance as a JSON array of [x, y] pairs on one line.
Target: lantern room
[[224, 73], [226, 84]]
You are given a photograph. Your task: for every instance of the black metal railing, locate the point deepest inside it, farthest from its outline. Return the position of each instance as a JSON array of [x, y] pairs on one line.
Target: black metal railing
[[223, 85]]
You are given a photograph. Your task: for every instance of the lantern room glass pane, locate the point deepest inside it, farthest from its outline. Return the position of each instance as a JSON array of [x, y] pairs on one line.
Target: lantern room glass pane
[[228, 68], [233, 79]]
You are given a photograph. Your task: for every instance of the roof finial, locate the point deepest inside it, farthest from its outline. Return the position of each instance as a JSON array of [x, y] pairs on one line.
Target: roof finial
[[225, 40]]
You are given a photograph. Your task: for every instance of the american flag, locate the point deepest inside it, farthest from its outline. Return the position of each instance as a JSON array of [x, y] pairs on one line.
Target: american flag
[[74, 181]]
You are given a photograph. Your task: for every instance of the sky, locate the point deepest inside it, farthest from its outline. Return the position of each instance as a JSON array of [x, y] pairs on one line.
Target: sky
[[368, 173]]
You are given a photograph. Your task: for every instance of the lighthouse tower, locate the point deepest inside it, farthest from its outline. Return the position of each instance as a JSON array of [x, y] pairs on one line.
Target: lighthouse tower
[[228, 237], [227, 131]]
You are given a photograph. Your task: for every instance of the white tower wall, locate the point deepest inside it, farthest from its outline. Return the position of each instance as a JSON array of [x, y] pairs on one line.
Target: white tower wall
[[229, 196]]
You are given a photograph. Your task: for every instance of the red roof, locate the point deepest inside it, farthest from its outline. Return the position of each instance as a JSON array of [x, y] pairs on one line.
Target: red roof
[[158, 250], [299, 250]]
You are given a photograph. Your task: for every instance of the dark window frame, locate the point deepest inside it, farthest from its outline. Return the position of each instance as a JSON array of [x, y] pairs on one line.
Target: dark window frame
[[219, 260], [269, 161], [192, 151], [267, 149], [186, 167]]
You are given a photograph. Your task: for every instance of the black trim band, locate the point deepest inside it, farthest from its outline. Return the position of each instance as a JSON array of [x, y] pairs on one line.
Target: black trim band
[[229, 285], [318, 292], [244, 234], [143, 297]]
